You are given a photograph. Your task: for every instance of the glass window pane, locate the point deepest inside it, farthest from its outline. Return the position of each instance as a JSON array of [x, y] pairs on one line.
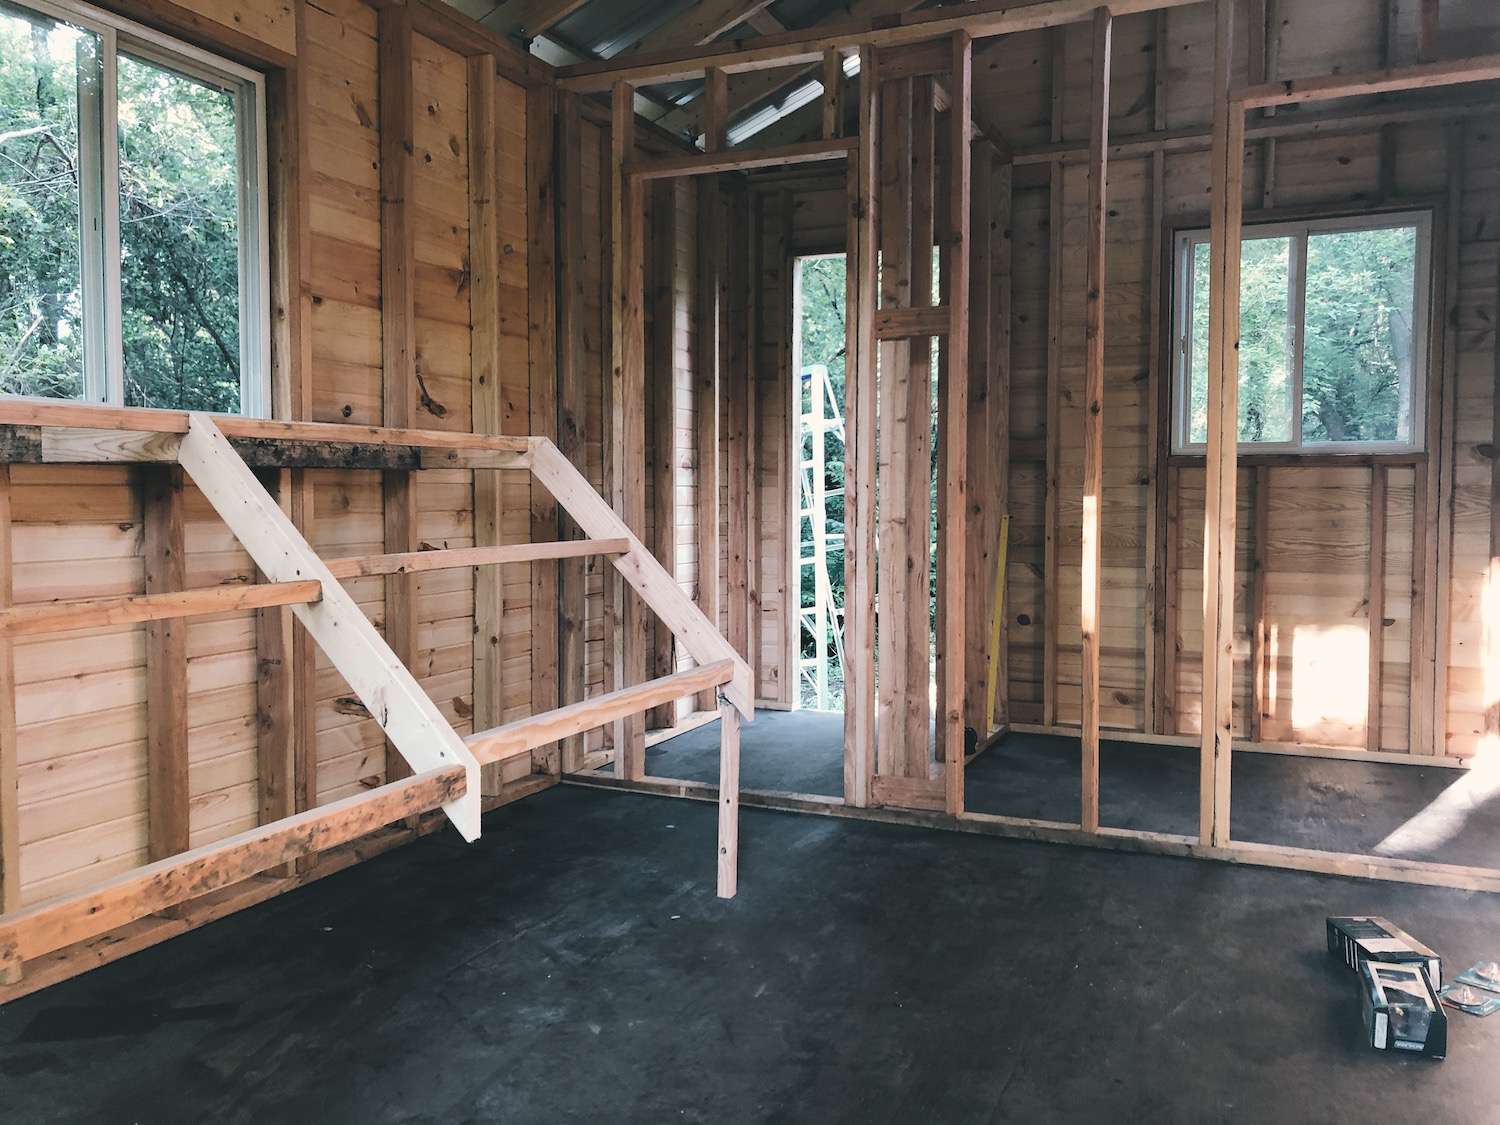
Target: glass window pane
[[1265, 406], [49, 72], [1265, 399], [1359, 339], [179, 240]]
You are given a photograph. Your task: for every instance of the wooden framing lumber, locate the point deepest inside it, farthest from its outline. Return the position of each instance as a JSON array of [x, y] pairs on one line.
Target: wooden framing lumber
[[486, 406], [543, 381], [1093, 417], [1052, 494], [513, 739], [954, 425], [277, 704], [859, 456], [1418, 76], [910, 323], [143, 891], [1129, 840], [659, 589], [833, 94], [979, 19], [663, 423], [147, 424], [627, 417], [894, 208], [1227, 173], [128, 609], [715, 111], [381, 682], [1259, 560], [571, 405], [709, 318], [729, 800], [10, 833], [1375, 605], [737, 387], [165, 552], [454, 558], [739, 160]]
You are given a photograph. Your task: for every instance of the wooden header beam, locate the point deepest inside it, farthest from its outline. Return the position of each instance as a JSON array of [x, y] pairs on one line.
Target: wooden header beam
[[980, 19], [740, 160]]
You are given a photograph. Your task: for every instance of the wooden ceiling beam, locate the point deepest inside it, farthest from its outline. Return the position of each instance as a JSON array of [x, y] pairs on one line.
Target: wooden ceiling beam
[[702, 23], [530, 18], [978, 18]]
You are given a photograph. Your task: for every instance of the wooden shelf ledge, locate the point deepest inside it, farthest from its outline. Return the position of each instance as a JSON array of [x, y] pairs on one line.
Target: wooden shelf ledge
[[904, 324], [456, 558], [129, 609], [500, 744]]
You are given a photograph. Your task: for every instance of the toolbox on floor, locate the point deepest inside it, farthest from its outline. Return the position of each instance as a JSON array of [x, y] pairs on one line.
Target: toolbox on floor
[[1366, 938]]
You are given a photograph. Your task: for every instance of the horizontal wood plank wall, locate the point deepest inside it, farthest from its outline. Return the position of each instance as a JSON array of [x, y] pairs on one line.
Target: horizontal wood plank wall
[[78, 531], [1316, 613]]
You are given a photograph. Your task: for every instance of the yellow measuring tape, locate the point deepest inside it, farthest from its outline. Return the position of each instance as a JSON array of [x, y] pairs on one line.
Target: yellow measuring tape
[[992, 680]]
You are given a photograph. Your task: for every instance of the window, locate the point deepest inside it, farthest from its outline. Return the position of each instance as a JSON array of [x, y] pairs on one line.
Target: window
[[1333, 330], [133, 257]]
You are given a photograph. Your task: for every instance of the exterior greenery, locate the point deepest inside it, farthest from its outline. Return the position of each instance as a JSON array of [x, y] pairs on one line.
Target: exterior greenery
[[1357, 337], [179, 223]]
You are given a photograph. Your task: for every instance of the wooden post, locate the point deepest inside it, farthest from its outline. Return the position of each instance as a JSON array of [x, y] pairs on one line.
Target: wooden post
[[1259, 530], [1490, 600], [542, 305], [663, 418], [985, 504], [166, 667], [715, 110], [859, 424], [1379, 475], [1093, 416], [954, 422], [735, 373], [706, 406], [571, 406], [1158, 402], [894, 210], [398, 322], [1000, 425], [10, 835], [627, 416], [729, 799], [1227, 171], [1052, 496], [275, 695], [915, 513], [485, 393], [833, 93]]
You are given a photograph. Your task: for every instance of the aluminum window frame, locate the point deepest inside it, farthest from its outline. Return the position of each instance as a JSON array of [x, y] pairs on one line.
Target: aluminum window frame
[[1183, 281]]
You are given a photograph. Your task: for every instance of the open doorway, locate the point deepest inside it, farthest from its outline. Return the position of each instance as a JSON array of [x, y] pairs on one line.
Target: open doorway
[[818, 299]]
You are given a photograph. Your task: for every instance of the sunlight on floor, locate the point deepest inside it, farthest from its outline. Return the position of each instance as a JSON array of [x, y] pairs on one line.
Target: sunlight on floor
[[1443, 819]]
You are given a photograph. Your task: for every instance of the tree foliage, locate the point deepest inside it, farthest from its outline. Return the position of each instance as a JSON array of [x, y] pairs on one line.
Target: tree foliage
[[179, 223], [1356, 338]]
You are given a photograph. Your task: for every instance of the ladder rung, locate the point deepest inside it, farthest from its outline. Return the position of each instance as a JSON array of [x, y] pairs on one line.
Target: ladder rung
[[128, 609], [455, 558], [502, 743]]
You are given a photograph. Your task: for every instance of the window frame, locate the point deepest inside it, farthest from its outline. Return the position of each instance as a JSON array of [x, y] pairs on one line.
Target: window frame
[[103, 349], [1182, 277]]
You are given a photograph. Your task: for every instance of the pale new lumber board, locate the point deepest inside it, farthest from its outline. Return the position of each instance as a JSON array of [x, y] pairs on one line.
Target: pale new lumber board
[[513, 739]]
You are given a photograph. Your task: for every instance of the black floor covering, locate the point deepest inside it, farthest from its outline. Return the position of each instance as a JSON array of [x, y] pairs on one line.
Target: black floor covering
[[1412, 812], [574, 965]]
